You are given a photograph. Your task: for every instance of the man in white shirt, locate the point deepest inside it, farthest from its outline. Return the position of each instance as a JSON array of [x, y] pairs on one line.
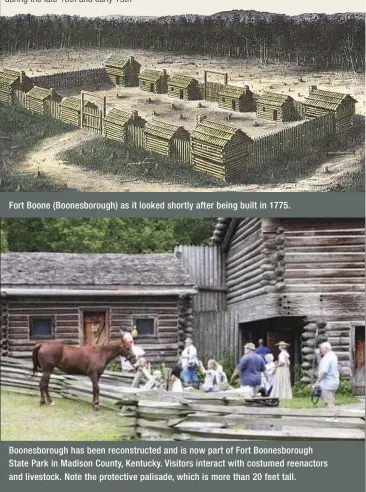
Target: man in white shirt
[[328, 374], [138, 351], [189, 362]]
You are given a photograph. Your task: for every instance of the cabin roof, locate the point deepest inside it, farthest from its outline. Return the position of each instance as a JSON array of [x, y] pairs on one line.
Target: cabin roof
[[326, 99], [163, 130], [214, 133], [99, 271], [182, 81], [39, 93], [274, 99], [121, 118], [7, 78], [74, 103], [121, 61], [232, 91], [151, 75]]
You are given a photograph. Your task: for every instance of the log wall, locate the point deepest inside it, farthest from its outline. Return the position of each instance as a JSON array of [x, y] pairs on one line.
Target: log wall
[[93, 79], [68, 329]]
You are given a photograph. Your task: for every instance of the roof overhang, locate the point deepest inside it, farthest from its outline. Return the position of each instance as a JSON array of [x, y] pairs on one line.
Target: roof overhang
[[174, 291]]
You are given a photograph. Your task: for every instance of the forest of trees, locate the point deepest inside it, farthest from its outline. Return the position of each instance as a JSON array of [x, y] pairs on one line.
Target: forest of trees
[[103, 235], [321, 41]]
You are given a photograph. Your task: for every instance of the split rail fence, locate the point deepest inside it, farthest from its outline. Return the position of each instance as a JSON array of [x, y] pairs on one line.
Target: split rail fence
[[151, 415]]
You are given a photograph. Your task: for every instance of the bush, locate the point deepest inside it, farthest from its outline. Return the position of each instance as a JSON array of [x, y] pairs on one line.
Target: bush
[[114, 366]]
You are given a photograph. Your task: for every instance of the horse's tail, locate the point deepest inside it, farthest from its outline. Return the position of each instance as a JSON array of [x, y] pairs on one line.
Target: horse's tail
[[36, 365]]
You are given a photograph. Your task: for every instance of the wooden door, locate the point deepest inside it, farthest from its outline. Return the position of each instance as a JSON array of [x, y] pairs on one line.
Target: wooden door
[[95, 327], [181, 94]]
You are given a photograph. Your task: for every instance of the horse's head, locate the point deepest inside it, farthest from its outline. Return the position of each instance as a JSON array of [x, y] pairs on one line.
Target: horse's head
[[126, 348]]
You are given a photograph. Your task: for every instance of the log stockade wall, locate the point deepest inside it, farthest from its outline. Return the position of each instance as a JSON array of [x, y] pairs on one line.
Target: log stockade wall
[[151, 415], [92, 78], [233, 167]]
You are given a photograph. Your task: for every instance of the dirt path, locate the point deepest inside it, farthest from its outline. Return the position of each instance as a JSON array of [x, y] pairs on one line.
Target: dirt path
[[44, 158]]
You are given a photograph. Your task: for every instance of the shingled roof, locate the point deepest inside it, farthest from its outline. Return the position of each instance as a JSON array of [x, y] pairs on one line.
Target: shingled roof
[[182, 81], [151, 75], [165, 130], [215, 133], [318, 98], [120, 117], [75, 102], [41, 94], [97, 271], [120, 61], [274, 99], [232, 91], [7, 78]]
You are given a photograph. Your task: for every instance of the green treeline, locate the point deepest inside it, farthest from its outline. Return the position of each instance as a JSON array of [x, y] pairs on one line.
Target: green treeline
[[103, 235], [317, 40]]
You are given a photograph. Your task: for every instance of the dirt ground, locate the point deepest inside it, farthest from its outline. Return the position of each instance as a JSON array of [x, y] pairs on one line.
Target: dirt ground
[[44, 158], [283, 78]]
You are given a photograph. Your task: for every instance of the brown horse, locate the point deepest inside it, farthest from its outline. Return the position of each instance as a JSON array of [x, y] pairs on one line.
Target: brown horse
[[89, 360]]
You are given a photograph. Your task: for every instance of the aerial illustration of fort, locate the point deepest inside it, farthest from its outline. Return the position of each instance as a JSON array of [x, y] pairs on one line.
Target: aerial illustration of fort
[[235, 101]]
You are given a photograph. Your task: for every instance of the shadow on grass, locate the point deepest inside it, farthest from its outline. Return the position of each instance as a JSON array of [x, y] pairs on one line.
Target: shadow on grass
[[130, 163], [20, 132]]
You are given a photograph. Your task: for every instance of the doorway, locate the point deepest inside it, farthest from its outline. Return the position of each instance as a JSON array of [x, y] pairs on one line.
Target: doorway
[[94, 325], [275, 115], [272, 331], [152, 87], [233, 105], [359, 380], [181, 94], [118, 79]]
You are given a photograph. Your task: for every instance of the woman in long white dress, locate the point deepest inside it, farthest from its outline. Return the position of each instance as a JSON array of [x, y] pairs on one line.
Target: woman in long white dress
[[269, 379], [282, 384]]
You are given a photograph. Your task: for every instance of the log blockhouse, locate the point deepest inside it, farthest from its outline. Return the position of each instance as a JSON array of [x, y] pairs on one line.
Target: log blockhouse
[[167, 139], [123, 71], [220, 150], [154, 81], [276, 107], [342, 106], [43, 101], [81, 298], [184, 87], [71, 110], [236, 98], [125, 127], [284, 279], [13, 86]]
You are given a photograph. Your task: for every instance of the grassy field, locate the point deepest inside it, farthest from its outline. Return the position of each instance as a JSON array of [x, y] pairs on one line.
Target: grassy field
[[305, 402], [109, 157], [22, 418], [21, 132]]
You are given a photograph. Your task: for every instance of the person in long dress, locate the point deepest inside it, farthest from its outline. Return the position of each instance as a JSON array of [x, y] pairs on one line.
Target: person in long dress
[[268, 382], [282, 384]]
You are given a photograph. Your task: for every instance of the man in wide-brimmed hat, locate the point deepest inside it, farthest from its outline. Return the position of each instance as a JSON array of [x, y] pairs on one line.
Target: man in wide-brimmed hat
[[250, 369]]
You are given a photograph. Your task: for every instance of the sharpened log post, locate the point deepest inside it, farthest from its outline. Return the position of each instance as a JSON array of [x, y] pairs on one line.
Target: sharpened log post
[[4, 326], [314, 333]]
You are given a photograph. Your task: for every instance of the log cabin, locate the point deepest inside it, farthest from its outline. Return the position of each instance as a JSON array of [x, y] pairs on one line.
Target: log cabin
[[236, 98], [320, 102], [43, 101], [220, 150], [90, 298], [167, 139], [276, 107], [13, 86], [154, 81], [282, 279], [126, 127], [184, 87], [123, 71], [71, 110]]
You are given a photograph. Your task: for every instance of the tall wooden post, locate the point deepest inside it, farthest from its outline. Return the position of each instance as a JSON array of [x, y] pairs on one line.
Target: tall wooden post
[[81, 108], [204, 84]]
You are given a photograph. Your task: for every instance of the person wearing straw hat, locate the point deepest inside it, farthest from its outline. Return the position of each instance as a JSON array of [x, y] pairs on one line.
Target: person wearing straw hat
[[250, 369], [282, 384]]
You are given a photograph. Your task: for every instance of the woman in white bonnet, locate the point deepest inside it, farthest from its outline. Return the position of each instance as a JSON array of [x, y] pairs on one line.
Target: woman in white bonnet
[[268, 382], [282, 385]]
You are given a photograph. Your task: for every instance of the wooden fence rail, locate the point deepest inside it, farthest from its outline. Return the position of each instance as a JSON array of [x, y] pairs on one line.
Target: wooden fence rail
[[192, 416]]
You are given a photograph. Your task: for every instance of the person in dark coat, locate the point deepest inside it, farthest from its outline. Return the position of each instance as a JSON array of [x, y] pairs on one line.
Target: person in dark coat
[[262, 349]]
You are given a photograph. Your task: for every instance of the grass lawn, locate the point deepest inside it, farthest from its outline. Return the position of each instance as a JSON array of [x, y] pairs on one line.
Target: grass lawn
[[110, 157], [22, 418], [305, 402], [20, 132]]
